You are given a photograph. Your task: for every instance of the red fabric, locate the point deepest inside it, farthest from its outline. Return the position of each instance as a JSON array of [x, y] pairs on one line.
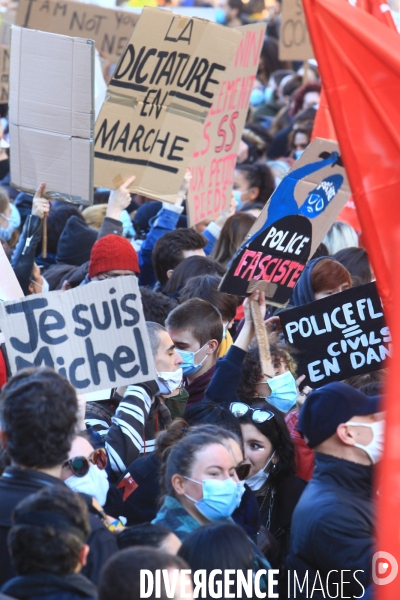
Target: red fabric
[[323, 126], [239, 313], [359, 60], [3, 370], [128, 485], [111, 253], [388, 476], [304, 456], [380, 10], [361, 76]]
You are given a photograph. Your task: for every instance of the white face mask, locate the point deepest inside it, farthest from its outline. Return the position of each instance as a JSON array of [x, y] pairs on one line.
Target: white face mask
[[169, 381], [256, 481], [94, 483], [45, 285], [375, 448]]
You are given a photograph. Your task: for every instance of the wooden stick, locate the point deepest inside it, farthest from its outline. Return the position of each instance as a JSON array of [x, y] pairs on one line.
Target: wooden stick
[[305, 74], [44, 237], [262, 339]]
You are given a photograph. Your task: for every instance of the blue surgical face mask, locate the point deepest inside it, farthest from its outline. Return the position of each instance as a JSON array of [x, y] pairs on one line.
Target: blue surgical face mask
[[14, 221], [284, 391], [268, 94], [237, 194], [220, 498], [220, 16], [224, 330], [257, 96], [188, 366], [297, 154]]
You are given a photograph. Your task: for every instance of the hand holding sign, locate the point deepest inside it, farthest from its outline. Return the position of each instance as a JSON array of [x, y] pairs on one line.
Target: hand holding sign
[[119, 199], [40, 204], [181, 195]]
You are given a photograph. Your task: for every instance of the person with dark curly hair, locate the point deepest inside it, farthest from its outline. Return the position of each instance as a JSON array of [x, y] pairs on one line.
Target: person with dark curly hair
[[38, 424], [270, 450], [47, 546]]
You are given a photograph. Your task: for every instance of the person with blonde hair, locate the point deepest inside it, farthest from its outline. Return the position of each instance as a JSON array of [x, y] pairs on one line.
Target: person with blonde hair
[[341, 235]]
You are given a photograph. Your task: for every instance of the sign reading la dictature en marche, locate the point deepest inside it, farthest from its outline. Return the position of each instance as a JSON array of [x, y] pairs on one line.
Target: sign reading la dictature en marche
[[158, 100], [338, 337], [214, 159], [291, 226], [94, 335]]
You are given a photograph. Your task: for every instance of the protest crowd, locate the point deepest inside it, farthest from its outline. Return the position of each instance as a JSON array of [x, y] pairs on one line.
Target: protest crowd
[[252, 445]]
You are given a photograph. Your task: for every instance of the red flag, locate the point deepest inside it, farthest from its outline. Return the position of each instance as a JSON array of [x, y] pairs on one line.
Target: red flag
[[359, 60], [379, 9], [323, 126]]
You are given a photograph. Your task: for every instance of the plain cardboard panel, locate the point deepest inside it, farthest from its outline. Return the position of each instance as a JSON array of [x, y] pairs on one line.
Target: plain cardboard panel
[[52, 114]]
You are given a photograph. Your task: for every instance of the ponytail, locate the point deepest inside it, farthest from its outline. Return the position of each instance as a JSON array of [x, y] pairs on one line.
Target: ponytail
[[260, 176]]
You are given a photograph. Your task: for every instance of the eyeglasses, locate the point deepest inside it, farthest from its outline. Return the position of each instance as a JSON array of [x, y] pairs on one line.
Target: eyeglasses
[[240, 409], [242, 471], [80, 465]]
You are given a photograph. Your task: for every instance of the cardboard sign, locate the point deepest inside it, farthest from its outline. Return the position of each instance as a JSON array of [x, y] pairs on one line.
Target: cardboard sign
[[4, 73], [294, 41], [109, 28], [7, 20], [52, 114], [291, 226], [214, 159], [158, 100], [9, 285], [338, 337], [94, 335]]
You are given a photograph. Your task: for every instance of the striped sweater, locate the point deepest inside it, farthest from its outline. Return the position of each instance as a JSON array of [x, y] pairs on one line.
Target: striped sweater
[[128, 428]]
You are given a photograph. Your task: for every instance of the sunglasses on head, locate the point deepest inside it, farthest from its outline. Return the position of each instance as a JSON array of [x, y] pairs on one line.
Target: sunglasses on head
[[80, 465], [240, 409]]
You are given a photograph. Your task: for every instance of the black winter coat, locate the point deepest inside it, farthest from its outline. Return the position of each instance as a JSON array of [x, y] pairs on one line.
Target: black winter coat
[[46, 586], [332, 529], [15, 485]]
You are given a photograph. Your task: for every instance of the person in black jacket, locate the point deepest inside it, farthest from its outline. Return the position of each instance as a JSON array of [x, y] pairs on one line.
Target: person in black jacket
[[332, 525], [268, 447], [48, 549], [38, 423]]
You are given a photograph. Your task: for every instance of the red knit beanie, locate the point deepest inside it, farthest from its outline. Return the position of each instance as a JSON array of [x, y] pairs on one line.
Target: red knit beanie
[[110, 253]]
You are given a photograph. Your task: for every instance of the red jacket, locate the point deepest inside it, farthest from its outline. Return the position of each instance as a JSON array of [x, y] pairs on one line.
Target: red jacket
[[304, 455]]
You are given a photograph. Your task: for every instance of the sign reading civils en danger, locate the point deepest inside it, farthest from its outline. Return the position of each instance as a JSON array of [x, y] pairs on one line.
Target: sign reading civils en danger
[[94, 335], [340, 336]]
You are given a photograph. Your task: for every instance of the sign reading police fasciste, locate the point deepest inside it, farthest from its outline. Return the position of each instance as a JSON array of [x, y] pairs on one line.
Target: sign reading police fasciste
[[158, 100], [338, 337], [94, 335], [291, 226]]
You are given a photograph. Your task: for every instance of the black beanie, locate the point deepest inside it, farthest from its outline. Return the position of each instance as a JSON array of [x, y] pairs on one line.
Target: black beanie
[[76, 242]]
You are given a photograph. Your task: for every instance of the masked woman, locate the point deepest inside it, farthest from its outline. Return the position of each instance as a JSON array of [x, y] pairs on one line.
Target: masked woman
[[199, 476], [272, 478]]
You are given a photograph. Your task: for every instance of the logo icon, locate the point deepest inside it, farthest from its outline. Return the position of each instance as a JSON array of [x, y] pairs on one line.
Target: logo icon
[[384, 568]]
